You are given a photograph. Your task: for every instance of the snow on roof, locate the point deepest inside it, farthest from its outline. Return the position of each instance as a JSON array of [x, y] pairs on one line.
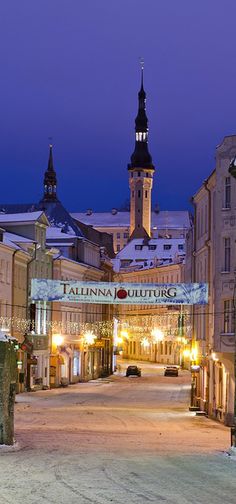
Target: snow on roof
[[17, 238], [60, 244], [20, 217], [164, 219], [57, 232], [139, 249], [9, 243]]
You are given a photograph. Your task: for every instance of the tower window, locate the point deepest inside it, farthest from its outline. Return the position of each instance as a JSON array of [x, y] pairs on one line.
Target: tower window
[[147, 174], [145, 194], [139, 174], [132, 174], [139, 193], [132, 194]]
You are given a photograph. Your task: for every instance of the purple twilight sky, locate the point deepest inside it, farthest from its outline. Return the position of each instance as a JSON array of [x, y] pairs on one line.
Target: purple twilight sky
[[70, 70]]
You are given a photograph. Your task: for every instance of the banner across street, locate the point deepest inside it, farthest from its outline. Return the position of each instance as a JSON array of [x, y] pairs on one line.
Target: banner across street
[[117, 293]]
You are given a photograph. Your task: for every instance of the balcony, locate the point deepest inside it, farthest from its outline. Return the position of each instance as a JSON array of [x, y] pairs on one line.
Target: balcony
[[227, 342]]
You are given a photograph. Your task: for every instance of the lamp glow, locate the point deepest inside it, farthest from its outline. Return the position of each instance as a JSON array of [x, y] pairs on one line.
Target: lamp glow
[[157, 335], [89, 338], [57, 339], [145, 343]]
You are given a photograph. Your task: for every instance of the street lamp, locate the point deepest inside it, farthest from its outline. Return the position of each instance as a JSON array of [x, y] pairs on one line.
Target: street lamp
[[232, 172]]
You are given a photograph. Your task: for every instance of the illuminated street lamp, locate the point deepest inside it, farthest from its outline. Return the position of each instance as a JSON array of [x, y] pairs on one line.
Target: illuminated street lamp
[[57, 340], [157, 335], [232, 172], [89, 338]]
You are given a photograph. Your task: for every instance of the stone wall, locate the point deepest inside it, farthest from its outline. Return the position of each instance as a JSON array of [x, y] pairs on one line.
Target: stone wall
[[7, 390]]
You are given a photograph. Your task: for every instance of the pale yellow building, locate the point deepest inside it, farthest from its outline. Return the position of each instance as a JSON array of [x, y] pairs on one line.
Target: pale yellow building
[[154, 333], [211, 258]]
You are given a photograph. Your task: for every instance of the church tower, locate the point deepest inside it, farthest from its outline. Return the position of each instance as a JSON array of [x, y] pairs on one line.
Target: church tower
[[141, 172], [50, 180]]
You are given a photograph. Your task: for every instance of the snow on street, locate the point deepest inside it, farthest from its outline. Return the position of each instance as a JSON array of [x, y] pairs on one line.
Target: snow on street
[[120, 440]]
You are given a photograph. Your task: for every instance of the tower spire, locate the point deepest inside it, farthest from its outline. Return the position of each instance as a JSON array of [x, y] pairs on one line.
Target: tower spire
[[141, 172], [141, 157], [50, 179]]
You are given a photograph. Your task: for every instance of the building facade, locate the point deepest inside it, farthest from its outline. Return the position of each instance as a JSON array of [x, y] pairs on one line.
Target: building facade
[[213, 261], [154, 333]]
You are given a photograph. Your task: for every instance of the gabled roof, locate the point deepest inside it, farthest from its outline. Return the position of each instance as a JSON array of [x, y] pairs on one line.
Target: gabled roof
[[23, 218], [54, 211]]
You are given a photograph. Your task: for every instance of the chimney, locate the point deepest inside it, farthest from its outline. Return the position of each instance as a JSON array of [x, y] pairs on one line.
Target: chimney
[[89, 211], [114, 211]]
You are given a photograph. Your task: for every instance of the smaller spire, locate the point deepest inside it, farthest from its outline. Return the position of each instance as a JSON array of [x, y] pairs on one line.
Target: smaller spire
[[142, 69], [50, 179], [50, 159]]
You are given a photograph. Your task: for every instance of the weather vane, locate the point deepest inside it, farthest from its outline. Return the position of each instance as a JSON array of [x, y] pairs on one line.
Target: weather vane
[[141, 61]]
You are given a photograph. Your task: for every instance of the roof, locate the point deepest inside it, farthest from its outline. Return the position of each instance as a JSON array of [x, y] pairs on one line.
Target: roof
[[164, 219], [59, 217], [17, 238], [24, 217], [59, 233], [142, 249], [56, 214]]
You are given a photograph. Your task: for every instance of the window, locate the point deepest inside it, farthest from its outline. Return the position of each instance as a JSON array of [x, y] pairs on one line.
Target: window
[[118, 248], [228, 317], [167, 246], [132, 194], [227, 193], [226, 254], [132, 174], [139, 173], [2, 270], [139, 193], [138, 247], [145, 194], [126, 235], [152, 247], [180, 246], [147, 174], [118, 235]]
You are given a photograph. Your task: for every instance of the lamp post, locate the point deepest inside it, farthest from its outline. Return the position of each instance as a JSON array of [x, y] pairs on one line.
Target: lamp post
[[232, 172]]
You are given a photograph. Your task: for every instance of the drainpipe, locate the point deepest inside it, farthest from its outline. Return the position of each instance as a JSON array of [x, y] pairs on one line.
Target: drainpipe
[[12, 280], [192, 406], [28, 374], [208, 244], [28, 264]]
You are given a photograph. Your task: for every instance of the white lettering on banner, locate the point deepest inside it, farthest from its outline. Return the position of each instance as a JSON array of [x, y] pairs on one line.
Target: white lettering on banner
[[115, 293]]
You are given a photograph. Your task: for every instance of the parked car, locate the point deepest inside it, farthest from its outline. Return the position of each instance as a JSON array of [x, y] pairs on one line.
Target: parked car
[[171, 371], [133, 371]]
